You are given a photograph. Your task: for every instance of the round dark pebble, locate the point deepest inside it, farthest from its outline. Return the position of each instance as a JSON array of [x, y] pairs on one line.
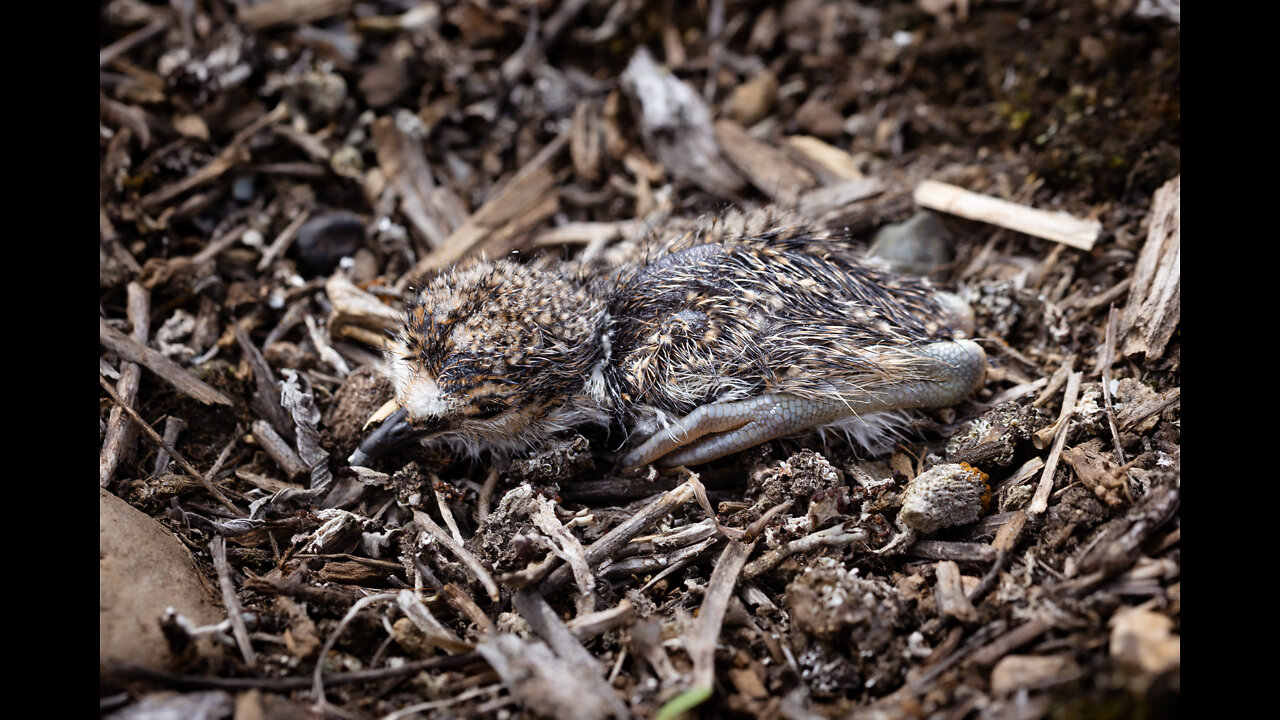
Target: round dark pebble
[[327, 238]]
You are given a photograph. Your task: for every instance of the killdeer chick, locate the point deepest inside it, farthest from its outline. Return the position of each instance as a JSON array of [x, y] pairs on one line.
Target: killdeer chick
[[702, 350]]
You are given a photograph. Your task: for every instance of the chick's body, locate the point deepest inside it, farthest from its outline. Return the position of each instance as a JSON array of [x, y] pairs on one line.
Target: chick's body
[[705, 349]]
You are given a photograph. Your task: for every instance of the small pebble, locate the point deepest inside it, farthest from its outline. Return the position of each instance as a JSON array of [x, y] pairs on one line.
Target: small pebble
[[327, 238]]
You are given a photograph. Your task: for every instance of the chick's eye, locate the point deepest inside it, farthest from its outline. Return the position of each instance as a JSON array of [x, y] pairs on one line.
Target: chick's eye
[[486, 410]]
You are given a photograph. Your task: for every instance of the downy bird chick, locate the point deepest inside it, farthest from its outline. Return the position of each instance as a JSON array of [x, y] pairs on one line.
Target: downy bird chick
[[705, 349]]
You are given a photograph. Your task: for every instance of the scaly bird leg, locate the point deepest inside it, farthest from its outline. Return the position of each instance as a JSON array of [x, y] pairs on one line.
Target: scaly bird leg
[[956, 369]]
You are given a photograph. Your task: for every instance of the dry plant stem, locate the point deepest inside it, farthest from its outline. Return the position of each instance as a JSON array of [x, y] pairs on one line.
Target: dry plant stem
[[225, 160], [989, 580], [446, 514], [957, 551], [182, 461], [1131, 416], [173, 427], [568, 548], [527, 199], [609, 544], [317, 684], [1108, 352], [218, 244], [663, 564], [467, 607], [1010, 641], [266, 396], [436, 632], [282, 241], [120, 433], [320, 339], [132, 40], [218, 553], [1155, 305], [702, 647], [486, 495], [544, 621], [285, 684], [829, 537], [1056, 381], [278, 449], [463, 696], [589, 625], [486, 579], [1023, 473], [1008, 534], [978, 640], [169, 371], [1040, 501], [1056, 226], [1102, 299], [767, 167], [279, 12]]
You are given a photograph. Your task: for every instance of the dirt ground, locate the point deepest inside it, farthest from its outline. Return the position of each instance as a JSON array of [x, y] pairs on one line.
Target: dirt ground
[[277, 177]]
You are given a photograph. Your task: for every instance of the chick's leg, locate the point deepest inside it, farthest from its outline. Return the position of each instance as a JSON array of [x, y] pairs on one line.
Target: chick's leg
[[946, 374]]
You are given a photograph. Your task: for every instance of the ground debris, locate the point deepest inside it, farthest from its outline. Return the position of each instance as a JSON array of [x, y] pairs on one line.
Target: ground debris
[[276, 177]]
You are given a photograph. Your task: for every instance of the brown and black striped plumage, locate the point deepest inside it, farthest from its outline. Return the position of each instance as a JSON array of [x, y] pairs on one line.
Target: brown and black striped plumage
[[497, 356]]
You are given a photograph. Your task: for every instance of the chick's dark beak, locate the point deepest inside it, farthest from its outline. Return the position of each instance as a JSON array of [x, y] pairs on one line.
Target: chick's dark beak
[[395, 432]]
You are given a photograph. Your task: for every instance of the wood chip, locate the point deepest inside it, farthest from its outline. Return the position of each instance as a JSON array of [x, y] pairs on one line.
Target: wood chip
[[433, 211], [768, 168], [1056, 226], [950, 595], [279, 12], [675, 125], [828, 163], [529, 198], [1155, 298]]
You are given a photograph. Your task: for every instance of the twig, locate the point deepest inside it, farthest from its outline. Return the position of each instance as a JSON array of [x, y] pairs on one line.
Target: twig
[[173, 426], [182, 461], [445, 513], [1108, 353], [702, 646], [829, 537], [283, 684], [1040, 501], [132, 40], [589, 625], [220, 243], [463, 696], [436, 632], [218, 552], [948, 593], [486, 579], [566, 546], [486, 495], [282, 241], [317, 684], [609, 543], [462, 602], [1055, 226], [278, 449], [1010, 641], [544, 621], [169, 371], [120, 434], [278, 12], [989, 580], [225, 160]]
